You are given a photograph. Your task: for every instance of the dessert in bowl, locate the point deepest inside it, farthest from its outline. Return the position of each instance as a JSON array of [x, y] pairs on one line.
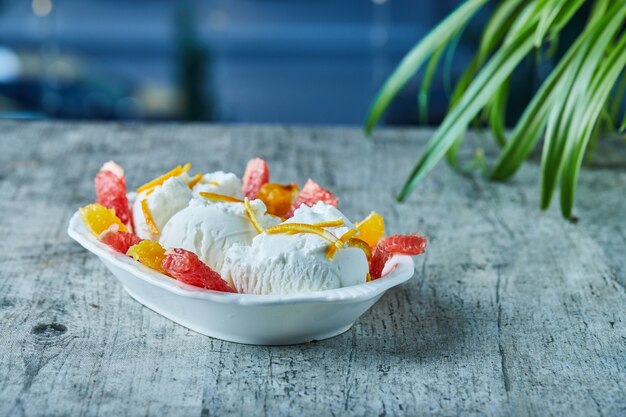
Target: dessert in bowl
[[248, 260]]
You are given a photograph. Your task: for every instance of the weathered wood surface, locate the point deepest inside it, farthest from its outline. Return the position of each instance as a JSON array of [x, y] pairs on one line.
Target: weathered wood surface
[[511, 312]]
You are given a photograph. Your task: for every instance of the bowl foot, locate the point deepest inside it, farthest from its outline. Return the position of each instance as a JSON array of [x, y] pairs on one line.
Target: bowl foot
[[238, 338]]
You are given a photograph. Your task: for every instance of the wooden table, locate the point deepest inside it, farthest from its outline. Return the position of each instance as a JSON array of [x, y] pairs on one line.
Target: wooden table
[[512, 311]]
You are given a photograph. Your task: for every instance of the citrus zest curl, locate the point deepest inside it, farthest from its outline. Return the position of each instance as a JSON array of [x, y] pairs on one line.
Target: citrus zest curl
[[179, 170], [293, 228], [252, 216], [220, 197], [332, 249], [147, 214], [358, 243], [330, 223], [195, 180]]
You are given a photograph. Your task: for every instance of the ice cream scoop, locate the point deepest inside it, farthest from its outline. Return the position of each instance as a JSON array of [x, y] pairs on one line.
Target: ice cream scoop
[[163, 202], [209, 229], [296, 263], [220, 182]]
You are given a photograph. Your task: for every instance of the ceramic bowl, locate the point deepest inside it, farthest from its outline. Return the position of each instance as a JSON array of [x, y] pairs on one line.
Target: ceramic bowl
[[245, 318]]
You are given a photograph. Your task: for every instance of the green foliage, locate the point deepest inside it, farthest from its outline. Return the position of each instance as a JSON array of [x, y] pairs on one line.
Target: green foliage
[[581, 97]]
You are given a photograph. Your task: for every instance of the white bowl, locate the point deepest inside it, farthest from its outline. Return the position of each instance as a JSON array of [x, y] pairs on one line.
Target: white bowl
[[245, 318]]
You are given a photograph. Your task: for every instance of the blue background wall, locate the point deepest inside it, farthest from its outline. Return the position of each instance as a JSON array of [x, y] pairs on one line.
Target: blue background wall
[[275, 61]]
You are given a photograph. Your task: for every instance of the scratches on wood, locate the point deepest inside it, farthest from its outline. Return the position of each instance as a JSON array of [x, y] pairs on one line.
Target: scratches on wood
[[511, 311]]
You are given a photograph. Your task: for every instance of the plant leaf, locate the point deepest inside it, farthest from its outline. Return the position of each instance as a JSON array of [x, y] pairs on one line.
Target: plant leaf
[[578, 78], [548, 16], [529, 127], [565, 14], [493, 35], [431, 68], [447, 66], [415, 58], [422, 95], [497, 113], [617, 101], [588, 115], [478, 93]]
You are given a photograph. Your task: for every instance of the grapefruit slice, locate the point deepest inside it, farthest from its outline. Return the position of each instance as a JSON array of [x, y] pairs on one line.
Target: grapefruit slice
[[395, 244], [311, 193], [111, 190], [120, 241], [405, 244], [186, 267], [256, 175]]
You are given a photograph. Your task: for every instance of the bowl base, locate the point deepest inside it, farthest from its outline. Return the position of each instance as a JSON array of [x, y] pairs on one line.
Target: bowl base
[[235, 338]]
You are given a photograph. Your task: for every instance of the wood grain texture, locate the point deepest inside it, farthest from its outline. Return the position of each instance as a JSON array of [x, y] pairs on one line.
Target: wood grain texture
[[511, 312]]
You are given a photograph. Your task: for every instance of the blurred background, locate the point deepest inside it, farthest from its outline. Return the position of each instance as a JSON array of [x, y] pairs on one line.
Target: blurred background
[[242, 61]]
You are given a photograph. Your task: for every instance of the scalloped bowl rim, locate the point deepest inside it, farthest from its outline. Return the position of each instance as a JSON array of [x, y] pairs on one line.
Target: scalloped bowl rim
[[402, 269]]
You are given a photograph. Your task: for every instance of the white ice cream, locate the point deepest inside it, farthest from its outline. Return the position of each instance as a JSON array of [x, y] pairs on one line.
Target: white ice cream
[[209, 229], [294, 264], [220, 182], [165, 201]]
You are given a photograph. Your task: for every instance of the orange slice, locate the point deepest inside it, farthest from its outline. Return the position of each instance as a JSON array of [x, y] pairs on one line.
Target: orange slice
[[371, 229], [147, 214], [98, 218], [278, 198], [293, 228], [220, 197], [179, 170], [252, 216], [149, 253]]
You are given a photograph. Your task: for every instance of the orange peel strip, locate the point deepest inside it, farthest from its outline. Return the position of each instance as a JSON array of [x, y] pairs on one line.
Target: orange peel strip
[[330, 223], [195, 180], [220, 197], [251, 216], [179, 170], [149, 219], [332, 249], [358, 243], [291, 228], [214, 183]]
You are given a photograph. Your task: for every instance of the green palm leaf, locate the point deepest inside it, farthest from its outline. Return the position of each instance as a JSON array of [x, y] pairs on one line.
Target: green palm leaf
[[497, 113], [493, 35], [587, 116], [563, 121], [412, 62], [580, 97], [495, 72], [529, 127]]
